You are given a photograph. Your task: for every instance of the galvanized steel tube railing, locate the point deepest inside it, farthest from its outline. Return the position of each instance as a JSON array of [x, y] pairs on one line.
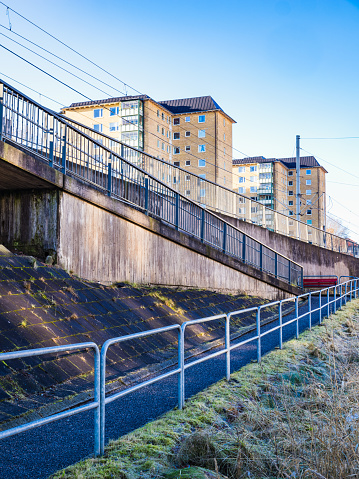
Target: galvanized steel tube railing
[[28, 125], [348, 289]]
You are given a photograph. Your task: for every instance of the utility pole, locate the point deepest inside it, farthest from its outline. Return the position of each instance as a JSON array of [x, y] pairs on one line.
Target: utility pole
[[297, 166]]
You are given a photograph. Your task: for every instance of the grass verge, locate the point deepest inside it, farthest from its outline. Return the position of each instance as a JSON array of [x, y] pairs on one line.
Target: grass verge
[[295, 415]]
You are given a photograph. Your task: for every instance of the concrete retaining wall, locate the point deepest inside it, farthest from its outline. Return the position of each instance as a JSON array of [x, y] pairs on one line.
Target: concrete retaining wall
[[315, 260]]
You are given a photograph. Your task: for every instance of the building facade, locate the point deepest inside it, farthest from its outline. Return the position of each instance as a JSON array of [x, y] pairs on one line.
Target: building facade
[[193, 133], [272, 182]]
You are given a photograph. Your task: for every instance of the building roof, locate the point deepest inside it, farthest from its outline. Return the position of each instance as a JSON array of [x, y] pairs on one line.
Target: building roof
[[290, 163], [108, 100], [192, 105]]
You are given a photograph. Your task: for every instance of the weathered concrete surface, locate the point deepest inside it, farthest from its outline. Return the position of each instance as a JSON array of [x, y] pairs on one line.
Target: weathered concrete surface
[[315, 260], [28, 221], [102, 239]]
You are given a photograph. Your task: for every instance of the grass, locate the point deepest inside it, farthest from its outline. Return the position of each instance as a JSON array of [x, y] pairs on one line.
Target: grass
[[295, 415]]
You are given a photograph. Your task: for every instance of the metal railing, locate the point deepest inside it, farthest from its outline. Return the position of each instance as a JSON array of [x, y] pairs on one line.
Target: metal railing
[[218, 198], [340, 293], [95, 404], [34, 128]]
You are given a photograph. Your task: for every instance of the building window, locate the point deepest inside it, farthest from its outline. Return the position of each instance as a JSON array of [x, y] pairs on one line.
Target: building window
[[158, 128], [290, 203], [168, 149], [290, 213], [241, 190], [187, 133], [201, 148], [187, 178], [290, 193], [253, 168], [224, 122], [224, 180], [176, 121], [188, 192], [201, 163], [158, 143], [188, 148], [158, 113], [309, 202], [176, 163], [308, 192], [114, 126], [290, 183], [187, 119], [176, 136], [308, 182], [163, 131], [309, 172], [290, 173], [224, 150], [98, 127], [253, 179], [163, 116], [98, 113], [224, 137], [163, 146], [188, 163], [114, 110], [242, 211], [309, 212], [202, 192], [253, 189], [241, 169], [176, 150], [241, 179], [201, 133], [201, 118], [309, 222], [202, 176]]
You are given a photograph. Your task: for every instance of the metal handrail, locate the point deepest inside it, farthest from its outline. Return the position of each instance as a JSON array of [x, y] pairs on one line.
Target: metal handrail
[[100, 400], [95, 404], [77, 154], [333, 244]]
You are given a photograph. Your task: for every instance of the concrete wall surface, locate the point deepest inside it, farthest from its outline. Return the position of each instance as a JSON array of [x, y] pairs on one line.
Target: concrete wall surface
[[315, 260], [100, 246]]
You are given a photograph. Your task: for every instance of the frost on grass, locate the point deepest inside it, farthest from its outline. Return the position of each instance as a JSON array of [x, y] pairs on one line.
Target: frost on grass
[[296, 415]]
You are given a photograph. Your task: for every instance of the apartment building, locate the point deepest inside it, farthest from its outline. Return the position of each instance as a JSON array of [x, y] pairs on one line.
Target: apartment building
[[193, 133], [272, 182]]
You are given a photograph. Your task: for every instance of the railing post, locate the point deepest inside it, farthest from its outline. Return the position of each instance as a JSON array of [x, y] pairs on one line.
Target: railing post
[[1, 110], [109, 179], [320, 307], [351, 290], [341, 296], [346, 292], [280, 326], [259, 345], [63, 159], [228, 350], [183, 393], [335, 299], [276, 265], [289, 271], [224, 237], [328, 301], [261, 256], [51, 153], [146, 195], [180, 366], [97, 395], [202, 224], [177, 211], [244, 249], [310, 310], [296, 315], [102, 400]]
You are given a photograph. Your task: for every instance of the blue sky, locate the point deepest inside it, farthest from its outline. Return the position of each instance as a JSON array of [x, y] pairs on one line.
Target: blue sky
[[278, 67]]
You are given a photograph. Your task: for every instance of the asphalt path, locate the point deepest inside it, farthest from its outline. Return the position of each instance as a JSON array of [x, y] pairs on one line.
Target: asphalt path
[[38, 453]]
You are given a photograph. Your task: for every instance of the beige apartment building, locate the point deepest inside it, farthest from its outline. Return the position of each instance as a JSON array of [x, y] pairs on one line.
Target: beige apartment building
[[272, 182], [193, 133]]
